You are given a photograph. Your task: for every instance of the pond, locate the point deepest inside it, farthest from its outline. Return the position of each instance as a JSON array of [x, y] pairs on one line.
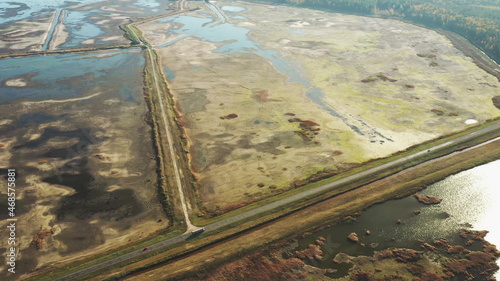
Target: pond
[[469, 202]]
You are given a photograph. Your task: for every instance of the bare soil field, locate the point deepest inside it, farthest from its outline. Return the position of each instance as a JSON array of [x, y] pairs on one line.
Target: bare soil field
[[270, 95]]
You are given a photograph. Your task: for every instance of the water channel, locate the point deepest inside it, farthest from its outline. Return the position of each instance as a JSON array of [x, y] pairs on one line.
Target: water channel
[[469, 202], [236, 39]]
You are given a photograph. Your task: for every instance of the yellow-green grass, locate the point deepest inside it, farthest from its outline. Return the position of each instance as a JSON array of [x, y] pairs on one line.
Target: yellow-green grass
[[353, 171]]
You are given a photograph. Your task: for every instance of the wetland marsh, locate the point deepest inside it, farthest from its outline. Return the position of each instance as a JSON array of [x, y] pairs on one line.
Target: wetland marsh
[[370, 86], [82, 148], [268, 98]]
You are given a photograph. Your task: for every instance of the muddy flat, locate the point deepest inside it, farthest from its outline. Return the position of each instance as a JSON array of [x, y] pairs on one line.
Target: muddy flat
[[83, 152]]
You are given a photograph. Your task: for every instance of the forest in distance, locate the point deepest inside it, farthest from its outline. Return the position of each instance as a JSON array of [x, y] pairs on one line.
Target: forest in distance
[[476, 20]]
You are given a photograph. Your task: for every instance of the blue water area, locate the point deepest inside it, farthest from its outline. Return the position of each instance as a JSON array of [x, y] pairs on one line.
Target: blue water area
[[80, 28], [170, 73], [65, 76], [234, 9], [52, 29], [147, 4], [237, 41], [238, 17], [172, 42], [215, 10], [19, 10]]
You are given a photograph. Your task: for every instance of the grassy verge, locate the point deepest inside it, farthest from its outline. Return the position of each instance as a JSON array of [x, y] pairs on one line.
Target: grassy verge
[[479, 58], [132, 33], [63, 51]]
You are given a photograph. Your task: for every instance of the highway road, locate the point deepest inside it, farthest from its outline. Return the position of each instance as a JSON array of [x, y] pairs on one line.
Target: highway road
[[285, 201]]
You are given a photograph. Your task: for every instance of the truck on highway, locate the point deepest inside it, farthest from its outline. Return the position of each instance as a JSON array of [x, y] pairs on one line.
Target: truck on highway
[[198, 231]]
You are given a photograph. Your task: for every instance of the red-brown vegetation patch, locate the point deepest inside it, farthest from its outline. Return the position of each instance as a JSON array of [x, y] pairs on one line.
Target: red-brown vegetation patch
[[480, 257], [428, 200], [429, 276], [429, 56], [386, 254], [235, 206], [262, 96], [416, 269], [313, 252], [314, 178], [438, 112], [290, 114], [379, 76], [353, 237], [308, 129], [384, 78], [459, 266], [477, 235], [441, 243], [491, 249], [496, 101], [229, 116], [296, 119], [458, 250], [406, 255], [39, 239], [337, 153], [308, 124], [362, 276], [2, 145], [369, 79], [428, 246], [256, 267]]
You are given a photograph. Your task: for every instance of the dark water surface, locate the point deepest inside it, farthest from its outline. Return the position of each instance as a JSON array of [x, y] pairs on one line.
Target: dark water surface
[[470, 201]]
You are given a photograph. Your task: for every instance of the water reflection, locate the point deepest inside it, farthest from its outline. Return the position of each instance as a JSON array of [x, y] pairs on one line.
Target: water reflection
[[469, 201]]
